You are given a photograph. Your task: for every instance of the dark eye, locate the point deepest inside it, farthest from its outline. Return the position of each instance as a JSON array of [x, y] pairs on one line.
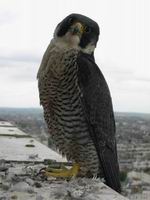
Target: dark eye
[[87, 29], [70, 20]]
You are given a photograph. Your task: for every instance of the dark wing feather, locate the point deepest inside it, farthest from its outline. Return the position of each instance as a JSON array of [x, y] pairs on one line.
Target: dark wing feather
[[97, 104]]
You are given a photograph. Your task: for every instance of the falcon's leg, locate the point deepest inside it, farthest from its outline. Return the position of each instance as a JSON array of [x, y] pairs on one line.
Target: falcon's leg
[[64, 173]]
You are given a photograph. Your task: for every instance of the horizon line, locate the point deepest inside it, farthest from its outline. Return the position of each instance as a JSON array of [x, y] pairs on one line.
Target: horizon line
[[40, 107]]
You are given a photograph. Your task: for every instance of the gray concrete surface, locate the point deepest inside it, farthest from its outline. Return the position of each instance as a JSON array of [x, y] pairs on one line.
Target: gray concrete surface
[[22, 157]]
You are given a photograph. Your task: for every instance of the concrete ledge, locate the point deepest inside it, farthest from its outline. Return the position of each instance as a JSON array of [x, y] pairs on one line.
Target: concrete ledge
[[20, 181], [20, 161]]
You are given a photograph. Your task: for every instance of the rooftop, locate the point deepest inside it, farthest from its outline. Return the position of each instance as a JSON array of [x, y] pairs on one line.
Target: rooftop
[[21, 158]]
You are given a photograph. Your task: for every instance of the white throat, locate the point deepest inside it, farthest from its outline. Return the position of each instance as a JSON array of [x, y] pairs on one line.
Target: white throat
[[72, 42]]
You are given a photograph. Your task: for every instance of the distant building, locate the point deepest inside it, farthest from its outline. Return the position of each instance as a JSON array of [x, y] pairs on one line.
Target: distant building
[[134, 156]]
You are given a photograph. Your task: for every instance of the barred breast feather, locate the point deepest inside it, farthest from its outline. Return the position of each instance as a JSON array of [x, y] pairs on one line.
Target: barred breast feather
[[60, 96]]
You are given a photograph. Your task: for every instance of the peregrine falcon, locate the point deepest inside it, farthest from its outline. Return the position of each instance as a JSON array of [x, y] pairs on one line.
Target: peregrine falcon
[[77, 103]]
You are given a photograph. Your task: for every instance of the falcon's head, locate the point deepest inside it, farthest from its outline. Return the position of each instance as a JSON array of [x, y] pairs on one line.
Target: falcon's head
[[78, 31]]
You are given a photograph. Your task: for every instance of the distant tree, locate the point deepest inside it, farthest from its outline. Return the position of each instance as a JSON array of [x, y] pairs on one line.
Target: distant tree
[[147, 170], [51, 143], [123, 176]]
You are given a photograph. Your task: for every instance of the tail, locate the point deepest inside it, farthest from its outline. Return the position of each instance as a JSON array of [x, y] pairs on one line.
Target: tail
[[110, 166]]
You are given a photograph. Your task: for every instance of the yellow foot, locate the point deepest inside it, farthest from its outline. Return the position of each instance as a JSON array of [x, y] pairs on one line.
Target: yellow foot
[[64, 173]]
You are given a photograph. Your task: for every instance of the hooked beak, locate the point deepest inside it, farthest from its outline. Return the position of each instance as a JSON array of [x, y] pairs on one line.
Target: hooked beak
[[76, 29]]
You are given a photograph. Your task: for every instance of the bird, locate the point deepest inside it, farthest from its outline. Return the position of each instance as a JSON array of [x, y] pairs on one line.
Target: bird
[[77, 103]]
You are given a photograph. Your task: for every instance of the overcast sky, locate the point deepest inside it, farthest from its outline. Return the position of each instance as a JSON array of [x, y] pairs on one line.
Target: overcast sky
[[123, 50]]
